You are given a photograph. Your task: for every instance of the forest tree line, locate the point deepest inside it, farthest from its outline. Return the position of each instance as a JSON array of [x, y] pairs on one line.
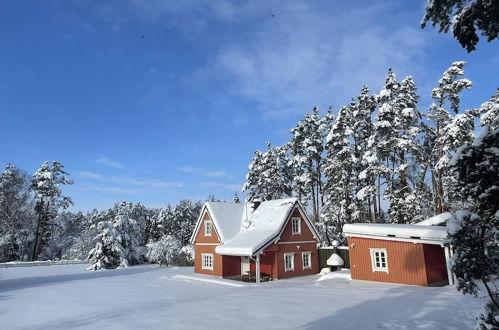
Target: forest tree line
[[381, 158], [35, 224]]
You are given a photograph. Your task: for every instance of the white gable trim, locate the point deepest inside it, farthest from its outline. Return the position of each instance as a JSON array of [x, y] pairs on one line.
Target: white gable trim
[[200, 220]]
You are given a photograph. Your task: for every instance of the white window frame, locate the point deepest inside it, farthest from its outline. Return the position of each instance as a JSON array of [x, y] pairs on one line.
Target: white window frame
[[206, 233], [298, 225], [375, 262], [292, 267], [308, 257], [207, 261]]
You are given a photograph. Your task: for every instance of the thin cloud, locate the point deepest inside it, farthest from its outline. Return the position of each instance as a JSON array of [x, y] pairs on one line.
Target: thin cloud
[[89, 175], [231, 187], [109, 162], [201, 171]]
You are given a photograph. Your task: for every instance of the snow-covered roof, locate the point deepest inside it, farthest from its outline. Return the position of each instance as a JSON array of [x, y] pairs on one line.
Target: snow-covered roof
[[242, 231], [264, 224], [436, 220], [393, 231], [227, 217]]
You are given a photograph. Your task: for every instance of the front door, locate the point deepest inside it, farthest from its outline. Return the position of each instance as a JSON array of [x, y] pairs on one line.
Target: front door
[[245, 265]]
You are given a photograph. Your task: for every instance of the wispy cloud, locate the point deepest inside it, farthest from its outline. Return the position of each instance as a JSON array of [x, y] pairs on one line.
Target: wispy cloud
[[109, 162], [145, 182], [108, 189], [89, 175], [231, 187], [201, 171]]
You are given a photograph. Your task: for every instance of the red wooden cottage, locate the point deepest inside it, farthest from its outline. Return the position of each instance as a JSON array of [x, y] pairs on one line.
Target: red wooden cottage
[[273, 237], [398, 253]]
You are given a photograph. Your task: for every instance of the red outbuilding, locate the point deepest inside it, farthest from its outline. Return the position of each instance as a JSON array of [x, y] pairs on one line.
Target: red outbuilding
[[398, 253], [272, 237]]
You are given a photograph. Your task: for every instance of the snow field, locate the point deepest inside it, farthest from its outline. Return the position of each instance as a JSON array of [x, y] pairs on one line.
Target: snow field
[[151, 297]]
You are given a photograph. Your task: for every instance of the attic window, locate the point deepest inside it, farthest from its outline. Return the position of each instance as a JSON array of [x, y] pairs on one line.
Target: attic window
[[295, 226], [208, 228]]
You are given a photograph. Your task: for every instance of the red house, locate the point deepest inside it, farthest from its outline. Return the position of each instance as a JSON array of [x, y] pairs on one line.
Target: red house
[[398, 253], [272, 237]]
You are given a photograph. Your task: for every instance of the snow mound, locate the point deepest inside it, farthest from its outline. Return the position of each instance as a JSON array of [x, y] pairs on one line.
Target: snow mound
[[335, 260]]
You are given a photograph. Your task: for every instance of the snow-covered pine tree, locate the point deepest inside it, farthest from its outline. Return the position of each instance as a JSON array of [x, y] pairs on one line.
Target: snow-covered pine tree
[[108, 252], [340, 205], [362, 128], [49, 199], [474, 231], [489, 113], [306, 147], [447, 93], [269, 175], [164, 251], [404, 205], [16, 214]]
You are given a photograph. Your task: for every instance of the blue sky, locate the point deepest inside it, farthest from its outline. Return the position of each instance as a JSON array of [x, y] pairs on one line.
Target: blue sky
[[178, 112]]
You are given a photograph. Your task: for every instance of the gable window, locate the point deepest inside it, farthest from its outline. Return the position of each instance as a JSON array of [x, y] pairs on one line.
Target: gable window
[[379, 260], [208, 228], [295, 226], [306, 260], [289, 262], [207, 259]]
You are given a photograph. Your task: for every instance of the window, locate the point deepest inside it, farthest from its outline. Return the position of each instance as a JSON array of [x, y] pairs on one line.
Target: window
[[207, 259], [289, 262], [208, 227], [295, 226], [306, 260], [379, 260]]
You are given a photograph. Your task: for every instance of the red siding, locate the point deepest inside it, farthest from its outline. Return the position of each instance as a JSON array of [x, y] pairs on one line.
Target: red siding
[[305, 235], [267, 263], [405, 261], [297, 249], [231, 265], [199, 249], [408, 263], [436, 270]]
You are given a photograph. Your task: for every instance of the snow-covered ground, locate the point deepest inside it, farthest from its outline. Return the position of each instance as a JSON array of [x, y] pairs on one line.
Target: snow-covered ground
[[149, 297]]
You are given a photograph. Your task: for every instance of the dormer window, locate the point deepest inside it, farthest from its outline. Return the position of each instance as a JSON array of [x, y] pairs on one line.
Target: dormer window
[[295, 226], [208, 228]]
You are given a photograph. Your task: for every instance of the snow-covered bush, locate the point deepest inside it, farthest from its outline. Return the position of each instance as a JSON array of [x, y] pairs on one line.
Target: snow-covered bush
[[164, 251]]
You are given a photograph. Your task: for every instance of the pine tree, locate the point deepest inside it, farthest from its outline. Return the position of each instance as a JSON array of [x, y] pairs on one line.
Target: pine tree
[[441, 146], [306, 147], [489, 113], [16, 214], [474, 231], [108, 252], [362, 129], [49, 199], [339, 206]]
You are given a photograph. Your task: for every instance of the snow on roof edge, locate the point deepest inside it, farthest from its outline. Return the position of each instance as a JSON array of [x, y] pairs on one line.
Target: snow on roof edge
[[404, 231]]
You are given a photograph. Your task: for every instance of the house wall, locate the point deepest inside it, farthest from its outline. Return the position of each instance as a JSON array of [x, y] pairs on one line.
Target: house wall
[[268, 264], [306, 233], [436, 270], [406, 261], [231, 265], [217, 260], [200, 248]]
